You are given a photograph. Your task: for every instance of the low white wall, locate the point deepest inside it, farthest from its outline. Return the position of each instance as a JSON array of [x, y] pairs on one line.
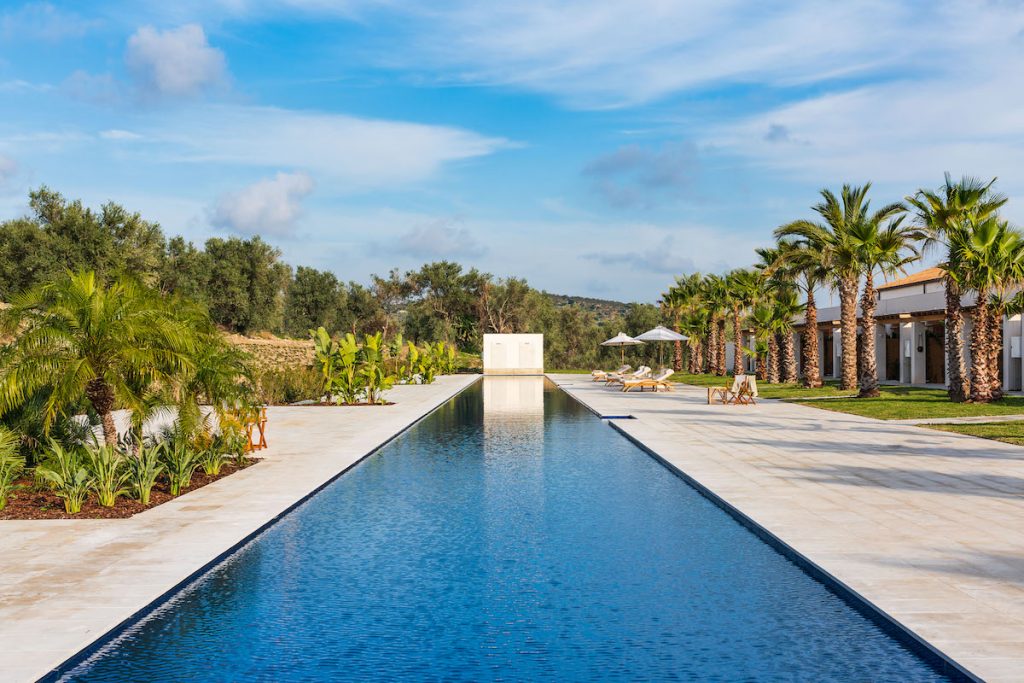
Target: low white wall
[[514, 354]]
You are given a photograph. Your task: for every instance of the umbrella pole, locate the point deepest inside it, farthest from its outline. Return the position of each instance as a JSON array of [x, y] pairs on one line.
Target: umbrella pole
[[622, 355]]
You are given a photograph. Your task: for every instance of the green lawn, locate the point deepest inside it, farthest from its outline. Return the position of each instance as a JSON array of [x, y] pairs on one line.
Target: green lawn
[[1010, 432], [907, 403], [895, 403]]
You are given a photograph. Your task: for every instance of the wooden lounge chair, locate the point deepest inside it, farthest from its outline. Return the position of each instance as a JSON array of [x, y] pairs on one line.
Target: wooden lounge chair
[[617, 378], [602, 375], [656, 383]]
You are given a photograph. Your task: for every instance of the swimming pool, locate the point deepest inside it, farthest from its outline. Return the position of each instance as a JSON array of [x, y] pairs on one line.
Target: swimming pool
[[511, 535]]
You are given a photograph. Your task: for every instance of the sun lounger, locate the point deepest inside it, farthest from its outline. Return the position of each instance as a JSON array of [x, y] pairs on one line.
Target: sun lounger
[[602, 375], [619, 378], [656, 383]]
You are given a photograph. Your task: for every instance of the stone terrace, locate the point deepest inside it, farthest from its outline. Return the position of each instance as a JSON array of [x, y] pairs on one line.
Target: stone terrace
[[927, 526]]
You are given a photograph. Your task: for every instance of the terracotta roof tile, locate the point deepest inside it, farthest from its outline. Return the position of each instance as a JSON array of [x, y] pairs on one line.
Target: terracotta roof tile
[[926, 275]]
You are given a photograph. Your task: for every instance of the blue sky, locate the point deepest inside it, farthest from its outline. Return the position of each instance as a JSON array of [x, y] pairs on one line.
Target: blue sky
[[594, 148]]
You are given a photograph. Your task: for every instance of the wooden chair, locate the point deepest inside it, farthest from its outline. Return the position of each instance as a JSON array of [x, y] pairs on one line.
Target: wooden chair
[[256, 429], [746, 393], [724, 395]]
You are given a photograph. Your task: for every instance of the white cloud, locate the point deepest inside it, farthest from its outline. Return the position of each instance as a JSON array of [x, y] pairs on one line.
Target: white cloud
[[355, 153], [606, 53], [43, 21], [117, 134], [635, 176], [443, 238], [93, 88], [269, 206], [8, 168], [176, 62]]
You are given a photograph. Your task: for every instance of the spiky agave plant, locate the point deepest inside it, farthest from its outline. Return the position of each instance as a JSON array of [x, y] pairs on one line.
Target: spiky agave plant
[[144, 468]]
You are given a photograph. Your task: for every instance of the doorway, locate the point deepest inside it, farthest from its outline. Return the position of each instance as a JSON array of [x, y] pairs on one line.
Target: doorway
[[892, 353], [829, 353], [935, 352]]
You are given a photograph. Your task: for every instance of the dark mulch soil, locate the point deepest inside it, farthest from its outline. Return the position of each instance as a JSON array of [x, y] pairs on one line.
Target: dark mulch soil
[[38, 502]]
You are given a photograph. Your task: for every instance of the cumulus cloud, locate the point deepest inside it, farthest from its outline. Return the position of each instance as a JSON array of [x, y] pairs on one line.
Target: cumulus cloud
[[269, 206], [176, 62], [444, 238], [660, 258], [635, 176]]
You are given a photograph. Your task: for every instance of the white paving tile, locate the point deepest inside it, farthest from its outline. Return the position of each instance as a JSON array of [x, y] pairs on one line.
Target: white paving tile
[[925, 525], [65, 583]]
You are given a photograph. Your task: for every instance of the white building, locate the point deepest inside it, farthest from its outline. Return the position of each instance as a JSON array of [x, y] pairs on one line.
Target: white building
[[910, 334]]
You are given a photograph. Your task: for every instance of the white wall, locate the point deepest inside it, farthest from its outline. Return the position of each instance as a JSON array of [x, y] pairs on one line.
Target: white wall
[[514, 354]]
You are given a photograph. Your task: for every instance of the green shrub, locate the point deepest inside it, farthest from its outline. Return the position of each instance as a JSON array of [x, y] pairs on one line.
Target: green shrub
[[373, 370], [108, 473], [65, 473], [180, 462], [12, 463], [143, 470], [289, 384]]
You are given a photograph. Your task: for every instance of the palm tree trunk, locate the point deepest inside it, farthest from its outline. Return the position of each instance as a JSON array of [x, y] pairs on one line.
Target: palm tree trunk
[[772, 371], [737, 335], [995, 349], [869, 362], [848, 322], [981, 382], [761, 368], [101, 396], [721, 347], [677, 357], [959, 383], [812, 370], [789, 375], [712, 350]]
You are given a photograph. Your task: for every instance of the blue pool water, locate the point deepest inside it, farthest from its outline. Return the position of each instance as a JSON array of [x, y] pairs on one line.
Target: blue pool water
[[509, 536]]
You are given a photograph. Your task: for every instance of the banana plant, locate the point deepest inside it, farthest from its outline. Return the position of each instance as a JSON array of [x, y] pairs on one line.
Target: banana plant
[[327, 352], [374, 374], [64, 472], [107, 469], [350, 380]]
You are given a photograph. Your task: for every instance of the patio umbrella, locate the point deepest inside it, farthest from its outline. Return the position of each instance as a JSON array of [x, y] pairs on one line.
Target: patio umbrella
[[660, 334], [622, 340]]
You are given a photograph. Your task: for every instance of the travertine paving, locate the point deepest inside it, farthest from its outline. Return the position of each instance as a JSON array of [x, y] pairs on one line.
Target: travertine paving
[[65, 583], [926, 525]]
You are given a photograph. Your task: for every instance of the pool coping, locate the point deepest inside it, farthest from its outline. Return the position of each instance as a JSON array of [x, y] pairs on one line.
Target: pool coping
[[111, 634], [933, 656]]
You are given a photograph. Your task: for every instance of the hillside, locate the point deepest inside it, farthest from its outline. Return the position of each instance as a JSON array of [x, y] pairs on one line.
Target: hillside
[[603, 309]]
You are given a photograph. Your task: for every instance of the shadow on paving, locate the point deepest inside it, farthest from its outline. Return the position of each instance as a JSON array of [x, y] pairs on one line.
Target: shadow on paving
[[986, 485]]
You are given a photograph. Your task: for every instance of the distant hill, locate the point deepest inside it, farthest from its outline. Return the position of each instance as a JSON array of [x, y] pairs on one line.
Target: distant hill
[[602, 309]]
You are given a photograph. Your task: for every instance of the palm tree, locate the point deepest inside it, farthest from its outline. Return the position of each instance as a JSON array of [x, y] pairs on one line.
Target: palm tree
[[841, 215], [113, 345], [787, 306], [742, 289], [887, 250], [802, 263], [991, 259], [677, 302], [715, 299], [942, 215]]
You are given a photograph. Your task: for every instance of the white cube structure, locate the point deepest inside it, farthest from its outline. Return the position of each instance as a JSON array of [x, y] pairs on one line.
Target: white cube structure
[[513, 354]]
